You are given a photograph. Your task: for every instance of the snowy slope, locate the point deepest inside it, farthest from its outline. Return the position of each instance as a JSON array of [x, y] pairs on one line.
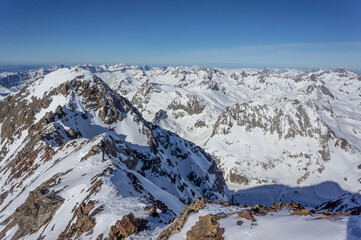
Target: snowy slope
[[53, 182]]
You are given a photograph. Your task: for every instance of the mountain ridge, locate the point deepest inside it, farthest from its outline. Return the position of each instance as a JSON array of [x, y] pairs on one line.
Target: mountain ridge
[[51, 161]]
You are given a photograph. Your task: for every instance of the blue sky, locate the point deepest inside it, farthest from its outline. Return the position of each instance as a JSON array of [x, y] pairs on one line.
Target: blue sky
[[288, 33]]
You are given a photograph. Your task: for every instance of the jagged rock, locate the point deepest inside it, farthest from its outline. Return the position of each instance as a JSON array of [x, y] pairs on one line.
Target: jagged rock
[[3, 196], [206, 228], [302, 212], [294, 206], [277, 205], [247, 214], [260, 210], [182, 219], [85, 222], [153, 212], [127, 226]]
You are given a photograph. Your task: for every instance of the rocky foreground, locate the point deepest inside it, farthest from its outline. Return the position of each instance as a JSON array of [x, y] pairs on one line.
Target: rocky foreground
[[212, 220], [223, 220]]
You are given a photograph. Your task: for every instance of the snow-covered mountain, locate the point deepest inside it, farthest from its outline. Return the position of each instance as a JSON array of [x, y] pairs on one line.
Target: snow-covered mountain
[[11, 82], [53, 182], [263, 126]]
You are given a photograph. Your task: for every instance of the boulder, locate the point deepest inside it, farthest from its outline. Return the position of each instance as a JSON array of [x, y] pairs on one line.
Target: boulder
[[302, 212], [129, 225], [239, 222], [247, 214], [206, 228]]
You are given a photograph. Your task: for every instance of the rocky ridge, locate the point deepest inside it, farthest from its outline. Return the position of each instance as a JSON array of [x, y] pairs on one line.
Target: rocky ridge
[[52, 170]]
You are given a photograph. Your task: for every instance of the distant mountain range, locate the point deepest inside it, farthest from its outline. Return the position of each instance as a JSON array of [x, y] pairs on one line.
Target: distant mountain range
[[173, 135]]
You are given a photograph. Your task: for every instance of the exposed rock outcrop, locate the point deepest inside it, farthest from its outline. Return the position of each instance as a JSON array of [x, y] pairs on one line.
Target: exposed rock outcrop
[[127, 226], [207, 228], [37, 210], [182, 219]]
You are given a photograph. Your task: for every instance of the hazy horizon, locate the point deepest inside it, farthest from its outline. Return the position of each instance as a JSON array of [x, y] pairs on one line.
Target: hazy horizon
[[295, 34]]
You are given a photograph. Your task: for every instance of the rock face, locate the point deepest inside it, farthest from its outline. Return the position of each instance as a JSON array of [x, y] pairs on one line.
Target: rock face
[[127, 226], [63, 118], [37, 210]]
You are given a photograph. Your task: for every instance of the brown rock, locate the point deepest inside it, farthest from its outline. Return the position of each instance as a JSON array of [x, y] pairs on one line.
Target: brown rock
[[148, 207], [277, 205], [182, 219], [294, 206], [128, 225], [85, 222], [88, 225], [86, 208], [239, 222], [302, 212], [3, 196], [153, 212], [247, 214], [207, 228]]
